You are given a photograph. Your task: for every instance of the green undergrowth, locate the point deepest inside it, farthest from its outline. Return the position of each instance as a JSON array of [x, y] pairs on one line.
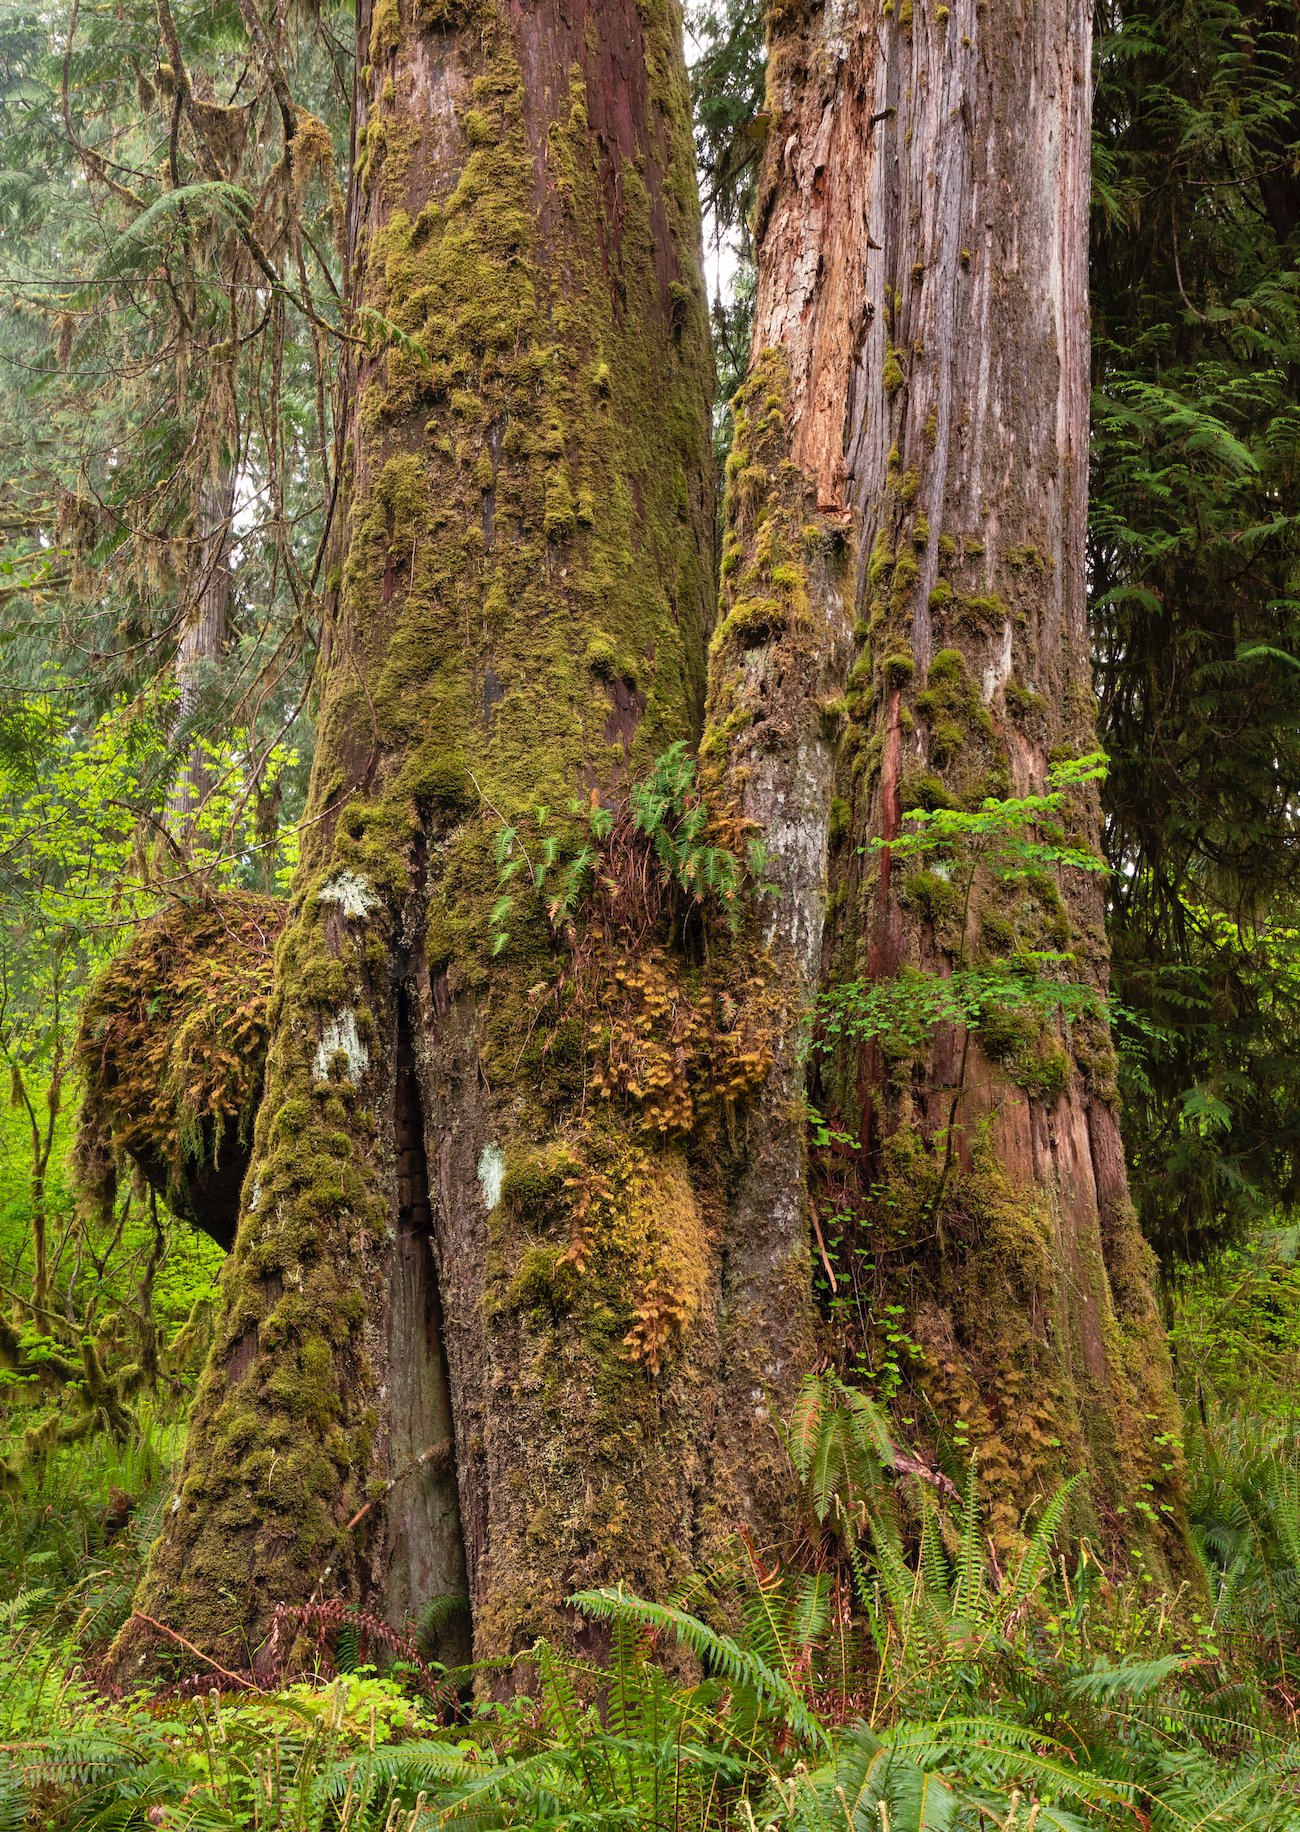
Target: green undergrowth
[[884, 1671], [1235, 1331], [188, 1271]]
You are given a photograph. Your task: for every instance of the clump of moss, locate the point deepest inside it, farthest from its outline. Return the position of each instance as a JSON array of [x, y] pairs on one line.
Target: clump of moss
[[897, 667], [952, 707], [535, 1182], [935, 899], [997, 932], [752, 622], [602, 658], [1016, 1037], [171, 1047], [923, 789], [984, 612]]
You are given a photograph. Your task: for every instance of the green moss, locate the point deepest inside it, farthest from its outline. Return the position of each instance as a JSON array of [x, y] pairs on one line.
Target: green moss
[[997, 933], [905, 575], [984, 612], [897, 667], [440, 785], [1035, 1061], [1021, 701], [559, 517], [171, 1047], [602, 658], [385, 30], [1046, 1075], [546, 1280], [752, 621], [881, 563], [892, 377], [933, 898], [923, 789], [952, 707], [833, 715], [1027, 559], [841, 819], [534, 1184]]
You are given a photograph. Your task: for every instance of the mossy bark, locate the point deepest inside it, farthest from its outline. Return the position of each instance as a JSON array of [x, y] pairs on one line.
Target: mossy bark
[[534, 1269], [919, 392]]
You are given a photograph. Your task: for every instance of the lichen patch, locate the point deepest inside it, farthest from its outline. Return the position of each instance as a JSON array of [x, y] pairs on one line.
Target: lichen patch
[[351, 893], [342, 1048]]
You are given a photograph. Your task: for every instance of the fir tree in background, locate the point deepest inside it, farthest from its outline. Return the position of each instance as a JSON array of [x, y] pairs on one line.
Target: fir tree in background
[[170, 222], [1195, 557]]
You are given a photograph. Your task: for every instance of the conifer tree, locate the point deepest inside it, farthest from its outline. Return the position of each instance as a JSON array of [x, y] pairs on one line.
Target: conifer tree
[[471, 1322], [522, 1272], [918, 393]]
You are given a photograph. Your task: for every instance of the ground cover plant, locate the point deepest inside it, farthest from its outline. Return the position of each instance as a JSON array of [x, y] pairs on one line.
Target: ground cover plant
[[893, 1671]]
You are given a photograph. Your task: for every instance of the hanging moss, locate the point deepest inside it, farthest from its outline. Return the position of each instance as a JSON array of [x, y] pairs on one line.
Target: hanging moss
[[171, 1048]]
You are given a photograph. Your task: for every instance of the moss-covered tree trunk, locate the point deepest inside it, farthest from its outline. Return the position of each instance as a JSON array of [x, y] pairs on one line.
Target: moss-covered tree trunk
[[486, 1213], [904, 563], [206, 629]]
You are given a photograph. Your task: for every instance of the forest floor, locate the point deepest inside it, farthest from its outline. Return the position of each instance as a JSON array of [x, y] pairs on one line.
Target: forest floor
[[884, 1672]]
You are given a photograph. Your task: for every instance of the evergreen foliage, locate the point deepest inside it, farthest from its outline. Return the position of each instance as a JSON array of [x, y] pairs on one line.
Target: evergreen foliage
[[169, 329], [1196, 601]]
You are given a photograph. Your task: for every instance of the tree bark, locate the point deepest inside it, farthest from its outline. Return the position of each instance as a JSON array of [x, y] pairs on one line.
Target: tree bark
[[486, 1217], [206, 629], [919, 391]]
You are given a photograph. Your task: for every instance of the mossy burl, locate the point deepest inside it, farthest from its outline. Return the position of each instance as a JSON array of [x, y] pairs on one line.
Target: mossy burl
[[171, 1049]]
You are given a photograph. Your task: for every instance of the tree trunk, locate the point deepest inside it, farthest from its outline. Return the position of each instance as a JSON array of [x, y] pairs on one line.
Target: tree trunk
[[206, 630], [486, 1212], [919, 389]]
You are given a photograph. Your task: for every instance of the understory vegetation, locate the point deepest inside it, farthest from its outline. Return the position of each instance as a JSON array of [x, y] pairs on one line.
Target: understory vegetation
[[888, 1669]]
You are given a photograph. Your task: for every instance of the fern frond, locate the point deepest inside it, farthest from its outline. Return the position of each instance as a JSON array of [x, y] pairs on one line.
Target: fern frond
[[1038, 1553], [718, 1650]]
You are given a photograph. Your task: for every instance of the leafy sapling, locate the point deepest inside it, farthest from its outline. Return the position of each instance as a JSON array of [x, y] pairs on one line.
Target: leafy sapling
[[1009, 842]]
